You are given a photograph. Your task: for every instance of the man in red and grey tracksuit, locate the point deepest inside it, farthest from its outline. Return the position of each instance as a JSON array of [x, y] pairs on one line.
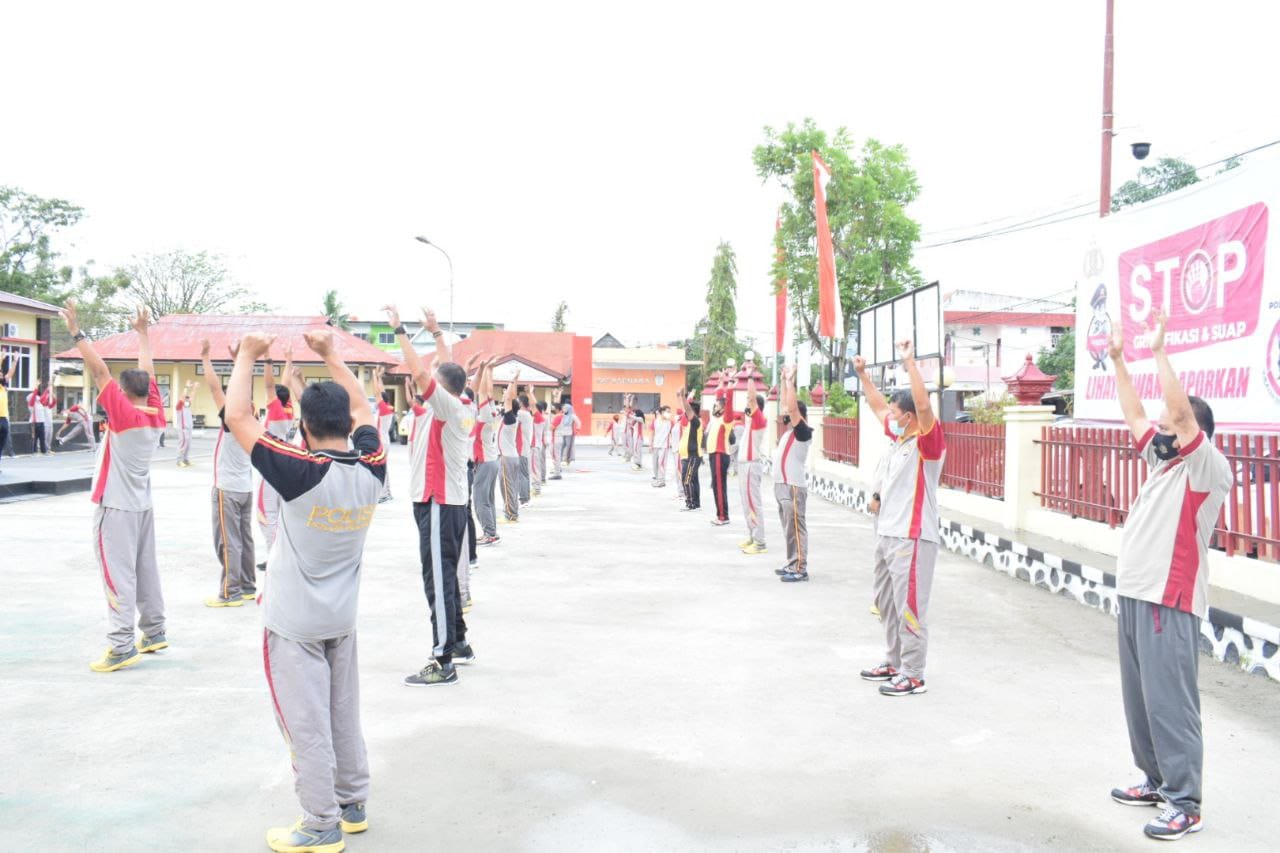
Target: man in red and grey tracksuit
[[485, 454], [232, 503], [751, 468], [79, 421], [790, 488], [38, 403], [124, 533], [1162, 581], [906, 527], [280, 424], [440, 500]]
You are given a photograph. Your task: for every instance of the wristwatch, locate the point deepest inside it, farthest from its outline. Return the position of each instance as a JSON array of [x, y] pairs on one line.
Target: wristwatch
[[400, 330], [78, 337]]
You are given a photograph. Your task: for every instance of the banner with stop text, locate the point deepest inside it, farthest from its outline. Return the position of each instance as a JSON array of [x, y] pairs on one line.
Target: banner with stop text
[[1200, 257]]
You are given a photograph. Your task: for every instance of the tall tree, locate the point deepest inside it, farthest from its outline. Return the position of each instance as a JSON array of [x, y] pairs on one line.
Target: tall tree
[[1167, 175], [721, 323], [334, 311], [558, 321], [1060, 360], [28, 262], [872, 235], [182, 282]]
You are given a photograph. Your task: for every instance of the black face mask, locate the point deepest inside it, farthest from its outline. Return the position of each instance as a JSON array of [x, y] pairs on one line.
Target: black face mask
[[786, 419], [1163, 445]]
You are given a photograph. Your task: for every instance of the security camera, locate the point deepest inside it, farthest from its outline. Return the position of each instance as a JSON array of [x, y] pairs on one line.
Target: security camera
[[1141, 150]]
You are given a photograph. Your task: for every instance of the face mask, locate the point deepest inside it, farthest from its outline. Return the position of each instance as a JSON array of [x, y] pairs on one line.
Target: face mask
[[897, 429], [1163, 445], [786, 419]]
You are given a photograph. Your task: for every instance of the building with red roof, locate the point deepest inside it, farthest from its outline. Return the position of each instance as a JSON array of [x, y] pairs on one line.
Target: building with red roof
[[176, 341]]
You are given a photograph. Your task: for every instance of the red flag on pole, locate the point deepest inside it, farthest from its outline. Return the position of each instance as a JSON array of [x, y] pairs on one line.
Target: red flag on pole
[[780, 322], [830, 321]]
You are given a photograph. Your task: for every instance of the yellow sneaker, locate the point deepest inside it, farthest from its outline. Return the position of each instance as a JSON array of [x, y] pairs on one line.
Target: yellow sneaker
[[110, 661], [219, 601], [152, 644], [745, 543], [248, 596], [755, 548], [875, 611], [354, 818], [299, 839]]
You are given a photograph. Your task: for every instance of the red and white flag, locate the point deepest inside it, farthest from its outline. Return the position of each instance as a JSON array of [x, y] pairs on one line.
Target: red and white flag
[[830, 318], [780, 321]]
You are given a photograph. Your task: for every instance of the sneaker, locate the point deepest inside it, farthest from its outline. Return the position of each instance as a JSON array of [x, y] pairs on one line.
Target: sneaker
[[432, 673], [152, 644], [385, 499], [1142, 794], [488, 540], [219, 601], [354, 818], [110, 661], [902, 685], [719, 522], [689, 508], [262, 567], [300, 839], [883, 672], [1172, 824], [794, 577], [249, 596], [785, 570], [746, 543], [875, 611], [755, 548], [466, 607], [555, 477], [463, 653]]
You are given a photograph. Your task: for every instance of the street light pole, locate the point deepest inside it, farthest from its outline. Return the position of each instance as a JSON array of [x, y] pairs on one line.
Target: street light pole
[[1108, 117], [422, 239]]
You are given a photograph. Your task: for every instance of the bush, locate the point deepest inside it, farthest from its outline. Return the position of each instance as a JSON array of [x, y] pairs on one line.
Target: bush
[[841, 404], [991, 411]]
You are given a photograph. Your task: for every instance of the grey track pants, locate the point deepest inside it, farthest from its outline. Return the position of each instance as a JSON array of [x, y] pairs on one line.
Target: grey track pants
[[509, 486], [482, 496], [750, 475], [903, 580], [315, 694], [124, 544], [524, 478], [1159, 680], [233, 542], [660, 464], [791, 512]]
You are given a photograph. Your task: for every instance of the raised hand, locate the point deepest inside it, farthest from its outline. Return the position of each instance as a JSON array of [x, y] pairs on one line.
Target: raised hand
[[1115, 343], [1157, 331], [70, 317], [141, 320], [233, 348], [859, 365], [255, 344], [204, 348], [906, 350], [393, 315], [429, 320], [320, 341]]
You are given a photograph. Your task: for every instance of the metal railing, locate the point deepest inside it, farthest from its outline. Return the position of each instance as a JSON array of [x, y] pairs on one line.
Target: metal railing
[[975, 458], [840, 439]]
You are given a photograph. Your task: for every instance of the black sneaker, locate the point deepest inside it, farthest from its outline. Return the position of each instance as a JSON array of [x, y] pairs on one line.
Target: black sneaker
[[262, 567], [1142, 794], [785, 570], [794, 577], [883, 672], [433, 673], [1172, 824], [462, 653]]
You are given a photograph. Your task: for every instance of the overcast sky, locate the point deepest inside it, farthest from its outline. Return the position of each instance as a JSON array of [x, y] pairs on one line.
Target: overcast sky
[[591, 152]]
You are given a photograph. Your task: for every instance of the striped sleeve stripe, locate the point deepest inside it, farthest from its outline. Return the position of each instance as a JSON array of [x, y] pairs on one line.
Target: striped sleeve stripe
[[277, 446]]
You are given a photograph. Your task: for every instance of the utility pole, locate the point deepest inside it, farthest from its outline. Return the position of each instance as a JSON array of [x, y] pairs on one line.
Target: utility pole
[[1108, 116]]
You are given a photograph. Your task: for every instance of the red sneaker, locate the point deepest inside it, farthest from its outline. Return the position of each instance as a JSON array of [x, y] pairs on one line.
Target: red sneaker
[[883, 672], [902, 685]]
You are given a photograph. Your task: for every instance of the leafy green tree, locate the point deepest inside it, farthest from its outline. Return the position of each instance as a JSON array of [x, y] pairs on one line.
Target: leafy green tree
[[558, 321], [871, 233], [334, 311], [720, 326], [1167, 175], [182, 282], [28, 261], [1060, 361], [840, 402]]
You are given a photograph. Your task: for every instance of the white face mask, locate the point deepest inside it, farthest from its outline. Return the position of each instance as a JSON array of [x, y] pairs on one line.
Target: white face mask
[[897, 429]]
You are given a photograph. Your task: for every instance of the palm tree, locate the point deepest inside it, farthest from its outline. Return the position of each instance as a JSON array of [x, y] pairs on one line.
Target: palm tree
[[334, 311]]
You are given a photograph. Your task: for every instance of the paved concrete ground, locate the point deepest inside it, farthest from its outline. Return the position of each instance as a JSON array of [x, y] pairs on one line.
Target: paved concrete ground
[[640, 685]]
